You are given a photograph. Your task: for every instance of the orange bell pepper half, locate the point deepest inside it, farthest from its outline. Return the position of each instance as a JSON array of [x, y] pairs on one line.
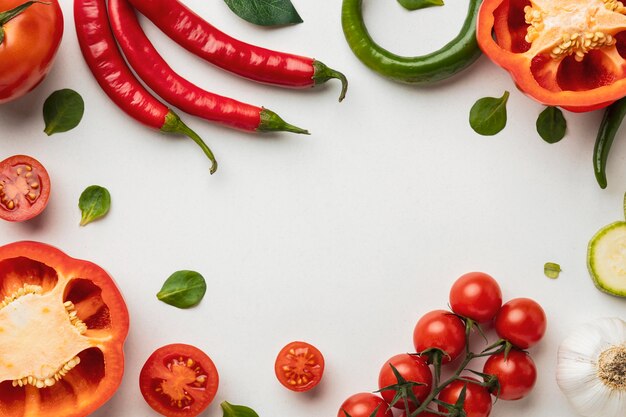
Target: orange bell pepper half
[[566, 53], [63, 324]]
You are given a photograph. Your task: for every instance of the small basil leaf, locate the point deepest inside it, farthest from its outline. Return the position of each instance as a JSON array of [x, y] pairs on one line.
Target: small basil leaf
[[183, 289], [231, 410], [265, 12], [93, 203], [552, 270], [419, 4], [488, 115], [551, 124], [62, 111]]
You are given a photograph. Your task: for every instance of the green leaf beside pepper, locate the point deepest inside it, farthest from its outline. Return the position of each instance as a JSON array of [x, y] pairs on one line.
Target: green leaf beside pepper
[[94, 203], [488, 115], [62, 111], [265, 12], [419, 4]]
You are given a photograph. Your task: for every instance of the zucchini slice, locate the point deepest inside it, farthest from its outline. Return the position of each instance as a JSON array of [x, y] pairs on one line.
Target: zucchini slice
[[606, 259]]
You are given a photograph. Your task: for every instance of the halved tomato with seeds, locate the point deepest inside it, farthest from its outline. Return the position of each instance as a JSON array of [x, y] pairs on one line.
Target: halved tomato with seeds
[[179, 380], [63, 324], [299, 366], [24, 188]]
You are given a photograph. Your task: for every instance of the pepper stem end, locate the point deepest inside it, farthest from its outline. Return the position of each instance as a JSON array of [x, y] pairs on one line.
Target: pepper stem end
[[174, 124], [323, 73], [271, 122]]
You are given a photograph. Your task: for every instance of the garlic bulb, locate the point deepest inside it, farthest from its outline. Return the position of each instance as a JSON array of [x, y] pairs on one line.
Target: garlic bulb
[[591, 368]]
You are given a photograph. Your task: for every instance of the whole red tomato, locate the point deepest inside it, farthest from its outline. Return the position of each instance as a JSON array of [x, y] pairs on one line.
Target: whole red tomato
[[31, 40], [442, 330], [477, 398], [516, 374], [522, 322], [364, 404], [413, 369], [477, 296]]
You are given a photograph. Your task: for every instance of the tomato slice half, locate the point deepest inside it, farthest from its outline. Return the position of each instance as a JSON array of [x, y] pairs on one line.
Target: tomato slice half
[[299, 366], [179, 380], [24, 188]]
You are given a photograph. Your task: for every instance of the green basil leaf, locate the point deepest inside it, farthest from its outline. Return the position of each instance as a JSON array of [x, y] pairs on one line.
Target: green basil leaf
[[265, 12], [183, 289], [552, 270], [488, 115], [62, 111], [231, 410], [551, 124], [419, 4], [94, 203]]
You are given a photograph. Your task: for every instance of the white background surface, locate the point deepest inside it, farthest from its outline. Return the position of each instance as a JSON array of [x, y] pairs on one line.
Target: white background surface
[[344, 238]]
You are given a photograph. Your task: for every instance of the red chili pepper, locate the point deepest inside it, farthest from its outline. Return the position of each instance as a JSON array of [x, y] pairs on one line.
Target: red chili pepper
[[253, 62], [161, 78], [107, 65]]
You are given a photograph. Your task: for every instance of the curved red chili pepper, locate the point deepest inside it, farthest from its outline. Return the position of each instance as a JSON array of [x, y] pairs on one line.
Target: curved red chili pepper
[[253, 62], [161, 78], [108, 67]]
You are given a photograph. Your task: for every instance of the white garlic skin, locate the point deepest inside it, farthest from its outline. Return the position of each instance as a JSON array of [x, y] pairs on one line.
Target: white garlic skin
[[577, 368]]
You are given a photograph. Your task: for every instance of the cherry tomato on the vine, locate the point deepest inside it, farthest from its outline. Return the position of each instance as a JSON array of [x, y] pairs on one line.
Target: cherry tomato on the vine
[[477, 296], [442, 330], [516, 374], [178, 381], [522, 322], [413, 369], [299, 366], [31, 40], [364, 404], [477, 398], [24, 188]]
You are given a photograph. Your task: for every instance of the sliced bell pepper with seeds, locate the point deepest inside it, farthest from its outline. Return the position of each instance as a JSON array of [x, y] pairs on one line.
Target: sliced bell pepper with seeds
[[63, 324], [567, 53]]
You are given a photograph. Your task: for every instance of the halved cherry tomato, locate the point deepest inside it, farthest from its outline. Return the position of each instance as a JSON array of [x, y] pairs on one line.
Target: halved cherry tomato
[[299, 366], [412, 368], [522, 322], [477, 398], [477, 296], [63, 324], [178, 380], [364, 404], [31, 41], [440, 329], [516, 373], [24, 188]]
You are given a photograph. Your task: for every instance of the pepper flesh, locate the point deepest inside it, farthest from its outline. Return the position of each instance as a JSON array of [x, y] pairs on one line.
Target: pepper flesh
[[568, 53], [63, 324]]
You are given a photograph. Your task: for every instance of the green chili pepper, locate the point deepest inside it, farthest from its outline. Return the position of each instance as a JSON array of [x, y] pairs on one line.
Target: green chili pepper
[[613, 116], [452, 58]]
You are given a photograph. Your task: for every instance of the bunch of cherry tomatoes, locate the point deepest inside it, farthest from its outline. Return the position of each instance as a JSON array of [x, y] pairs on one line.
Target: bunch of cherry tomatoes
[[413, 382]]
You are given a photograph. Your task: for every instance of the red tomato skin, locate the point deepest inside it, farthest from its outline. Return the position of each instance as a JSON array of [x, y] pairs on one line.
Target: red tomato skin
[[155, 369], [29, 48], [477, 398], [440, 329], [25, 210], [314, 371], [363, 404], [412, 368], [522, 322], [517, 374], [477, 296]]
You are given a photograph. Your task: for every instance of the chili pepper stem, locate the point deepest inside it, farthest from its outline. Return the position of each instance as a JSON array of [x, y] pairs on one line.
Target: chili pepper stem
[[271, 122], [323, 73], [174, 124]]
